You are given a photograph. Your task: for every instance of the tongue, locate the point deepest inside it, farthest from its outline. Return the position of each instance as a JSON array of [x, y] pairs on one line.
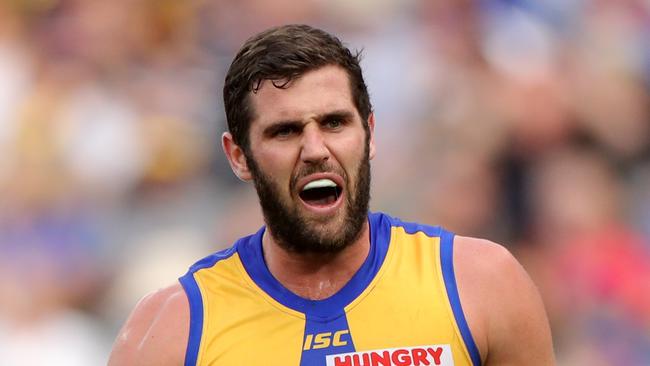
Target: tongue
[[322, 202]]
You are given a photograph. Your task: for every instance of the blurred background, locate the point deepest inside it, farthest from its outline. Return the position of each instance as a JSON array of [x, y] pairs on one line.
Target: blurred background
[[524, 122]]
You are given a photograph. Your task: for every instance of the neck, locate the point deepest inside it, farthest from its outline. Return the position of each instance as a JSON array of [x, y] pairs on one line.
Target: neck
[[315, 276]]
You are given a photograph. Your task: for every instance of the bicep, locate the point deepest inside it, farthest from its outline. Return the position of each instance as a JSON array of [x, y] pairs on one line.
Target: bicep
[[520, 330], [504, 305], [156, 331]]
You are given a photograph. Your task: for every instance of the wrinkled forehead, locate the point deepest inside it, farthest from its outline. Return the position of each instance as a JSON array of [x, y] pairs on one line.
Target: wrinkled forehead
[[316, 92]]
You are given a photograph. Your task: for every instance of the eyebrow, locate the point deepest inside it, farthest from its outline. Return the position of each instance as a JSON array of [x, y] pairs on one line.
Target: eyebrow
[[339, 114]]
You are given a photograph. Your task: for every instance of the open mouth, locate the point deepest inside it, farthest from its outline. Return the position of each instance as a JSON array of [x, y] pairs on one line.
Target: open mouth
[[321, 192]]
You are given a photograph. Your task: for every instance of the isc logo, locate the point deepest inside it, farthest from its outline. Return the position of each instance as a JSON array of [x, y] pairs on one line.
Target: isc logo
[[324, 340]]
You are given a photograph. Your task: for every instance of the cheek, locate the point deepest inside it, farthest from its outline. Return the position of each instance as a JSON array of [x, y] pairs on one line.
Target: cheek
[[351, 155], [276, 165]]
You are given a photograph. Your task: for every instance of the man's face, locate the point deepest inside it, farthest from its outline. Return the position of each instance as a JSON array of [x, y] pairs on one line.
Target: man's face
[[309, 157]]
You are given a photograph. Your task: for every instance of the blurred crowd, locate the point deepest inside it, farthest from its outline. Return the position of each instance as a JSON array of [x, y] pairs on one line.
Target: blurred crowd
[[521, 121]]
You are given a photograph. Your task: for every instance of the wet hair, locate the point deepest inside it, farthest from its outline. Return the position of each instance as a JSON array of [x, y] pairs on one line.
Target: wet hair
[[280, 55]]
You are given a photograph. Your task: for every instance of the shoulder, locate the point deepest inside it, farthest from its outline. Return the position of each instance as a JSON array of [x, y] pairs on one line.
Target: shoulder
[[156, 332], [484, 270], [501, 303], [482, 258]]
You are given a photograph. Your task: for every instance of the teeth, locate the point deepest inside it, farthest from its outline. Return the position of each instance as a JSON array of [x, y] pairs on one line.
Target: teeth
[[320, 183]]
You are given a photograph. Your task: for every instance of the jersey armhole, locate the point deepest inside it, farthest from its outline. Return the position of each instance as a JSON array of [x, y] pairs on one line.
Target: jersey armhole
[[447, 266], [196, 317]]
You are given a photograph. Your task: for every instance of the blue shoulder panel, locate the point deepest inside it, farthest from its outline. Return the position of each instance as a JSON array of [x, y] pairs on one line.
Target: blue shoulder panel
[[412, 227]]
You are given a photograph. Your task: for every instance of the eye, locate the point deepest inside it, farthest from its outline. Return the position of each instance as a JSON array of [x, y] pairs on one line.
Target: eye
[[333, 123], [284, 131]]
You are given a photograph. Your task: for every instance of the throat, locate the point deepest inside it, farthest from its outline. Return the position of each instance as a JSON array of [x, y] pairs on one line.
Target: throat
[[315, 276], [317, 290]]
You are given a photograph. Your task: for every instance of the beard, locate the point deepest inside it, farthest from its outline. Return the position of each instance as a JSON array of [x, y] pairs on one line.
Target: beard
[[298, 234]]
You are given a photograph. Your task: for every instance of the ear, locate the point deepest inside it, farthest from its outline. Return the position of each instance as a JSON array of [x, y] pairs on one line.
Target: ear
[[371, 130], [236, 157]]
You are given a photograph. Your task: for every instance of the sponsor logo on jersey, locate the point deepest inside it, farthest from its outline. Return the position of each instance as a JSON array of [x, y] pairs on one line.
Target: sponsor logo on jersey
[[326, 339], [438, 355]]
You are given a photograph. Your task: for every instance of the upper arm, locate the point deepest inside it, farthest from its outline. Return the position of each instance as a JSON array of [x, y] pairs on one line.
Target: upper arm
[[156, 332], [502, 305]]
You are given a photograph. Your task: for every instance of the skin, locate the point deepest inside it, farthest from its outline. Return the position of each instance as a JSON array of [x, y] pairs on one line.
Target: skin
[[156, 332], [502, 306]]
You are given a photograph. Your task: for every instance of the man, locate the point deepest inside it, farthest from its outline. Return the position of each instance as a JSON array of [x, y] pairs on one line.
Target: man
[[325, 282]]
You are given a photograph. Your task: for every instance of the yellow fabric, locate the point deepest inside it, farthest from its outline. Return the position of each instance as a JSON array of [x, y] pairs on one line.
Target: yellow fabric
[[406, 304], [242, 325]]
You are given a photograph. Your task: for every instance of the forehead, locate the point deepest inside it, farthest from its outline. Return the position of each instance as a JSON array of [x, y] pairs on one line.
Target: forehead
[[314, 93]]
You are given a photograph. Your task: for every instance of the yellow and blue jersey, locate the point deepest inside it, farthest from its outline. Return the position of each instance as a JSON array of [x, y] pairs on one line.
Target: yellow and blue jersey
[[400, 308]]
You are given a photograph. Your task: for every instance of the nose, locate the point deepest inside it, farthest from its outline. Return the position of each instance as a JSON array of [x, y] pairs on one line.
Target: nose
[[314, 149]]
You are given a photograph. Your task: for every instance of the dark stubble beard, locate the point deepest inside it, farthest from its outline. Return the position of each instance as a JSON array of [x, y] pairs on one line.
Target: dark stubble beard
[[296, 233]]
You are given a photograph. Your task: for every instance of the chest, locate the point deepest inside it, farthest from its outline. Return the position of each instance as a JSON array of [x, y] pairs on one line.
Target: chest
[[402, 317]]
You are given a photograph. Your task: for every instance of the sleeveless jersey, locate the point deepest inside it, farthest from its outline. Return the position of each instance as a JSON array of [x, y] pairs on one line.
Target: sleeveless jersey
[[400, 308]]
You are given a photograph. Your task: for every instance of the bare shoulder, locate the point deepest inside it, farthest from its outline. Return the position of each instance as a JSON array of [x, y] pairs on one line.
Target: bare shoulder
[[502, 305], [156, 332]]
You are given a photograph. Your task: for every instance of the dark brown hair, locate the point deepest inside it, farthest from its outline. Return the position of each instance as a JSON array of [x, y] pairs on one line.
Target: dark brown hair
[[280, 55]]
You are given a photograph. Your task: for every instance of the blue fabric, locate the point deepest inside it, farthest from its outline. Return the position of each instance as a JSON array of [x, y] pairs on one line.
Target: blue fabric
[[196, 318], [314, 356]]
